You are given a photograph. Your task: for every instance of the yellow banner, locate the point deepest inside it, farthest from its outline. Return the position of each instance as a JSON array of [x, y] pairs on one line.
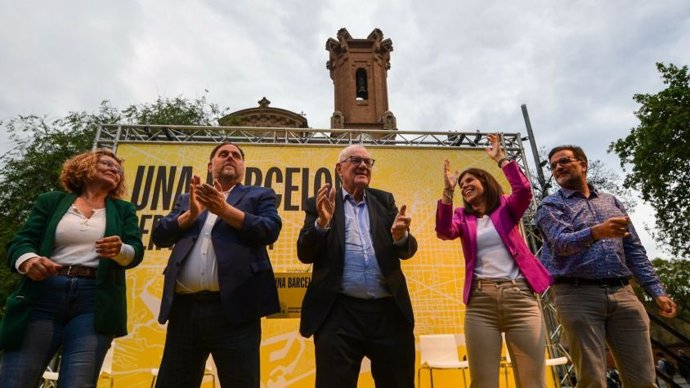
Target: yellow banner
[[291, 289], [158, 173]]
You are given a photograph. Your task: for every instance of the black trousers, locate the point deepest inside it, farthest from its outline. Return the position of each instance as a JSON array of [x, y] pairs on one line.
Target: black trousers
[[197, 327], [357, 328]]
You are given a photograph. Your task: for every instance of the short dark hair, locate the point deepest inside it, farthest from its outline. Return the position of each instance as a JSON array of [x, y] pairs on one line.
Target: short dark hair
[[215, 149], [492, 190], [577, 152]]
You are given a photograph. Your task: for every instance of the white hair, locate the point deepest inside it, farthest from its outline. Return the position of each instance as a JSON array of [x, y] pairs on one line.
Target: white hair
[[346, 151]]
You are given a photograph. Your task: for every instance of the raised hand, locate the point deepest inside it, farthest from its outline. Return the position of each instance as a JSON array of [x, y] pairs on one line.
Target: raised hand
[[401, 224], [325, 205], [450, 179], [195, 208], [494, 150], [39, 268]]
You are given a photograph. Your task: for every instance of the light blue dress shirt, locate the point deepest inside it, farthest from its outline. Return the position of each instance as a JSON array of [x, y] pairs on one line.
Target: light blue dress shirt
[[362, 277]]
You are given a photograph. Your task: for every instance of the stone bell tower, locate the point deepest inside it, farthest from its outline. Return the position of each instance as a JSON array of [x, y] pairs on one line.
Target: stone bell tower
[[359, 70]]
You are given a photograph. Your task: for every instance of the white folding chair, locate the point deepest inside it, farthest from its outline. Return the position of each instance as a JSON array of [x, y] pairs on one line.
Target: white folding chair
[[439, 351], [550, 362], [51, 374], [50, 379], [553, 363], [556, 361]]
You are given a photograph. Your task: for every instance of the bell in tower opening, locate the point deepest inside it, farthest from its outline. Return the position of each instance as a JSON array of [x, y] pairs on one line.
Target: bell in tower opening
[[361, 84]]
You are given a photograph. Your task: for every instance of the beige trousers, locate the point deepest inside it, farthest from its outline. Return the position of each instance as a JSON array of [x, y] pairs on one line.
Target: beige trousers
[[509, 307], [595, 316]]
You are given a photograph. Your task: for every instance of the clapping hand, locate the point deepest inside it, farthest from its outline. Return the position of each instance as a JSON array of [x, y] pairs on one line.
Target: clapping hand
[[211, 197], [325, 205], [195, 207]]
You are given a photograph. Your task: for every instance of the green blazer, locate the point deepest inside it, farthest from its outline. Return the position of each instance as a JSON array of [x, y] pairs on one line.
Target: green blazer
[[38, 235]]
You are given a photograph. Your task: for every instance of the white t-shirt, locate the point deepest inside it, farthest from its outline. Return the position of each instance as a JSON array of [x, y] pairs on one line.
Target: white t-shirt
[[493, 259], [75, 241]]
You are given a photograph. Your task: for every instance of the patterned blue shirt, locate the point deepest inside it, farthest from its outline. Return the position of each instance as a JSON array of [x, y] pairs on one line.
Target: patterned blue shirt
[[565, 220]]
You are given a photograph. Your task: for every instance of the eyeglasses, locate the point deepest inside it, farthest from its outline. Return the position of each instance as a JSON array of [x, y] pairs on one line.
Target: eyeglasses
[[356, 160], [562, 161]]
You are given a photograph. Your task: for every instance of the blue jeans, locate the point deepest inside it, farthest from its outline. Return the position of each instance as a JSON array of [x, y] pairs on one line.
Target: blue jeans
[[198, 327], [62, 317]]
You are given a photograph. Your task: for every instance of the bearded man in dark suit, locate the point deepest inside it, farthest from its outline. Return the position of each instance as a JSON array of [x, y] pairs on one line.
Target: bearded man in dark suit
[[219, 281]]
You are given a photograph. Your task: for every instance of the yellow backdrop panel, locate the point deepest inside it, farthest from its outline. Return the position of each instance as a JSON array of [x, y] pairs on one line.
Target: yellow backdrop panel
[[158, 173]]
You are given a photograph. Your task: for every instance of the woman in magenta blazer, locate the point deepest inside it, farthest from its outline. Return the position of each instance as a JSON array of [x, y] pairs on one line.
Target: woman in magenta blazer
[[502, 277]]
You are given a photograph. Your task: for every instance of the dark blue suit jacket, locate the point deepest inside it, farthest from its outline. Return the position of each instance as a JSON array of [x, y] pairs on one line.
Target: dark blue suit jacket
[[247, 284]]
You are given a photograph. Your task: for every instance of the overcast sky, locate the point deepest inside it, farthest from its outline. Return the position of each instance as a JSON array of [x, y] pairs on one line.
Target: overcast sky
[[457, 65]]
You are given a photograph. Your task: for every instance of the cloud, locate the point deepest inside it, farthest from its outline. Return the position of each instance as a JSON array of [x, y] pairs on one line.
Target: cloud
[[456, 65]]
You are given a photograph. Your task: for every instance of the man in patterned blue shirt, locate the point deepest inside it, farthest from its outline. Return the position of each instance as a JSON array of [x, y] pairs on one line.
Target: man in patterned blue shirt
[[592, 250]]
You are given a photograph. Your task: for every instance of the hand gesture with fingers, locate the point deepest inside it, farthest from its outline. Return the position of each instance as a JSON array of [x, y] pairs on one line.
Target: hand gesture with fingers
[[39, 268], [450, 179], [401, 224], [495, 150]]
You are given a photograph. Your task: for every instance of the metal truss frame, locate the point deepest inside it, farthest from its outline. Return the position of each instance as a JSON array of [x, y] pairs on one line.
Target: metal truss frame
[[110, 136]]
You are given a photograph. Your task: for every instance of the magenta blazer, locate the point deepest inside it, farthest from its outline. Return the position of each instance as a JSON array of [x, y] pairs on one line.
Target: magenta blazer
[[506, 218]]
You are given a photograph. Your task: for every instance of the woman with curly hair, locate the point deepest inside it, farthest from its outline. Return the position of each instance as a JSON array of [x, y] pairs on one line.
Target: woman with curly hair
[[72, 251], [502, 276]]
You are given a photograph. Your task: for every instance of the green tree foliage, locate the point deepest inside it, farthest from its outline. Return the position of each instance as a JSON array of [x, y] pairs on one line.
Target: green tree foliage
[[607, 180], [41, 146], [658, 150]]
